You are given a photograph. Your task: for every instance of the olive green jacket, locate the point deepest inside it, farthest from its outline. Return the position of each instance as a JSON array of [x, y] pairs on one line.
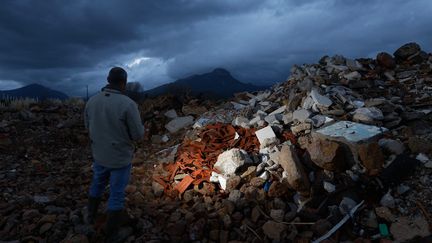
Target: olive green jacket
[[113, 122]]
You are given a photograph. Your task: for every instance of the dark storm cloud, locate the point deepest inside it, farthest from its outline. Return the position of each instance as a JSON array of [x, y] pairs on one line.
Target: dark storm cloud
[[68, 44]]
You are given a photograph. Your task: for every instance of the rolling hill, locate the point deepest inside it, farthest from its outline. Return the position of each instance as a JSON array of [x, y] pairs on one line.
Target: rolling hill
[[35, 91]]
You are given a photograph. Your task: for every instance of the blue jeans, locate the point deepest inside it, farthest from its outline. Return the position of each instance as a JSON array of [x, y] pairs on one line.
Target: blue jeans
[[118, 180]]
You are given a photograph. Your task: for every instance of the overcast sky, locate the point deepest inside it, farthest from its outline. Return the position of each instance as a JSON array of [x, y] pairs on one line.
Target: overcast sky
[[67, 45]]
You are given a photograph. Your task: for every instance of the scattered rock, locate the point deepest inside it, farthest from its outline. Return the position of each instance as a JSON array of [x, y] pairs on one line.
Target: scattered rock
[[289, 161], [385, 213], [405, 229], [193, 110], [392, 146], [326, 154], [320, 100], [44, 228], [371, 157], [368, 115], [234, 196], [157, 189], [385, 60], [274, 230], [419, 145], [41, 199], [277, 214], [388, 200], [171, 114], [353, 76], [301, 115], [407, 50]]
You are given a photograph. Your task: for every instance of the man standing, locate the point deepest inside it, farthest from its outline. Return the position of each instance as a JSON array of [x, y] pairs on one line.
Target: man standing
[[114, 122]]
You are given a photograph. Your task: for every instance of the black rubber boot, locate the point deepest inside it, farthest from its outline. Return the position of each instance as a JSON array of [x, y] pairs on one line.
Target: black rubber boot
[[92, 207], [113, 224]]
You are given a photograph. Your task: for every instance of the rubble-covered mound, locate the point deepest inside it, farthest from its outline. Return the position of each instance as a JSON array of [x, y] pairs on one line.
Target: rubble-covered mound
[[340, 152]]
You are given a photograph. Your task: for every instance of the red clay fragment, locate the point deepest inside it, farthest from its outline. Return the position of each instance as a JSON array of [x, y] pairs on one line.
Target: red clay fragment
[[184, 184]]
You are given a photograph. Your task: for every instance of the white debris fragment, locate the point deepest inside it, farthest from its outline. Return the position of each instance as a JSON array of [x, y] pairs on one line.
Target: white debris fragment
[[265, 133], [201, 122], [237, 106], [301, 115], [241, 121], [171, 114], [214, 177], [351, 131], [222, 182], [165, 138], [265, 175], [319, 99], [422, 157], [388, 200], [179, 123], [280, 110], [329, 187], [229, 161]]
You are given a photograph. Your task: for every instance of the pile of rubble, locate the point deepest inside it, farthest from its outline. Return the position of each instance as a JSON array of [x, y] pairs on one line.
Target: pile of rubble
[[336, 138], [340, 152]]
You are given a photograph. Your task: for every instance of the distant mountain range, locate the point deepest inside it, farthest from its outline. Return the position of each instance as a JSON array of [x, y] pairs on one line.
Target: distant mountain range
[[216, 84], [35, 91]]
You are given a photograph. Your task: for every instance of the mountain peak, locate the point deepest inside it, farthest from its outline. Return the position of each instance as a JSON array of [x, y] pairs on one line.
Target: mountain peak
[[217, 83], [220, 71], [35, 85]]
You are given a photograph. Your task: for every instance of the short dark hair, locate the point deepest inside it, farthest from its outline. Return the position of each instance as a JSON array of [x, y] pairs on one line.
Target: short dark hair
[[117, 75]]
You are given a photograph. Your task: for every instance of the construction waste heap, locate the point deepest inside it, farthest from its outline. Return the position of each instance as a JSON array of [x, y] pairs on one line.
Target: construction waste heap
[[340, 152]]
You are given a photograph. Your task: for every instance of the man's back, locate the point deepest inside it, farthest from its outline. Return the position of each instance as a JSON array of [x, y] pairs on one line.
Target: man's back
[[113, 121]]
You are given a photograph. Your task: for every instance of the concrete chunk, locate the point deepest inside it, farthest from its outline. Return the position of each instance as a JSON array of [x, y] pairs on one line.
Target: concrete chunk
[[257, 121], [351, 131], [353, 76], [241, 121], [237, 106], [179, 123], [353, 64], [273, 118], [326, 154], [359, 143], [265, 133], [319, 99], [368, 115], [280, 110], [289, 161], [171, 114], [202, 122], [302, 127], [229, 161], [319, 120], [301, 115]]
